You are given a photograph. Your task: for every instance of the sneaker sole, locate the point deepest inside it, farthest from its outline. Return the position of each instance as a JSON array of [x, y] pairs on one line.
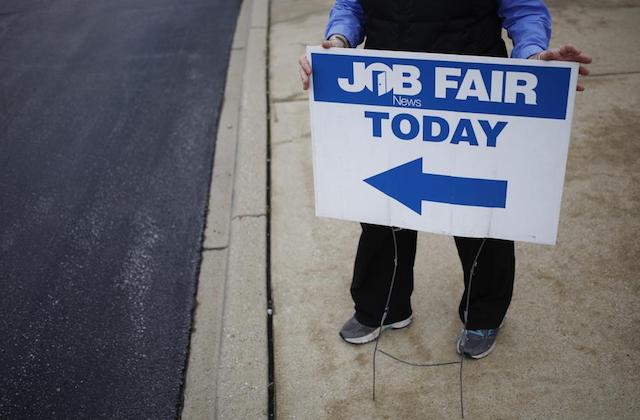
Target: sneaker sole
[[375, 333], [481, 355]]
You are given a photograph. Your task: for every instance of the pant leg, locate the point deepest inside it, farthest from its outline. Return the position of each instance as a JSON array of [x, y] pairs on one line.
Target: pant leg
[[373, 271], [492, 284]]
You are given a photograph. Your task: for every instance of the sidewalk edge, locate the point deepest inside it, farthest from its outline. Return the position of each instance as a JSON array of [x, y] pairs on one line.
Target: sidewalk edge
[[227, 369]]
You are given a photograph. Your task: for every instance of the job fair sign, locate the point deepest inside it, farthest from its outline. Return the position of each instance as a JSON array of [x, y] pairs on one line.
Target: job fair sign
[[458, 145]]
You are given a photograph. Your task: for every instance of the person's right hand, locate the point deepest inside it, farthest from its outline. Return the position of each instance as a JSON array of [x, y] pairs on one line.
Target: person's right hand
[[305, 66]]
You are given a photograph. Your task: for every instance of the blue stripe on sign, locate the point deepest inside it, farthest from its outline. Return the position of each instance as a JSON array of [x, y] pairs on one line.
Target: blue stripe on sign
[[551, 91]]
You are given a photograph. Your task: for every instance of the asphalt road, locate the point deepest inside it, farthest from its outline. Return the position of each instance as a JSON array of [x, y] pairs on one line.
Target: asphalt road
[[108, 114]]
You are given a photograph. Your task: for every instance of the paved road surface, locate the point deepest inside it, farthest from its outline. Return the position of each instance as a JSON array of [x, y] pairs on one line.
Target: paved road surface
[[107, 127]]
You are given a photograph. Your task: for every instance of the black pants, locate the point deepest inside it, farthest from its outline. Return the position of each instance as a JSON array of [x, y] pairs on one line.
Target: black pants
[[491, 288]]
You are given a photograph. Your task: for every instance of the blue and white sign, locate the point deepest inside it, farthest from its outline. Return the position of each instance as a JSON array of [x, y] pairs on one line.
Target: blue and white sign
[[458, 145]]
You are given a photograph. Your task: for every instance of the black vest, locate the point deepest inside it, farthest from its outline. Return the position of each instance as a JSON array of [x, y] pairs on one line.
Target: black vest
[[470, 27]]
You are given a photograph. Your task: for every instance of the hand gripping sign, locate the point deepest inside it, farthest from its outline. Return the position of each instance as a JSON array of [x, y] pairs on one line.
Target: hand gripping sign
[[458, 145]]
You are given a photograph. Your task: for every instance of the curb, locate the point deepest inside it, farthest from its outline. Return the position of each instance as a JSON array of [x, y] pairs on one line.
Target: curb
[[227, 371]]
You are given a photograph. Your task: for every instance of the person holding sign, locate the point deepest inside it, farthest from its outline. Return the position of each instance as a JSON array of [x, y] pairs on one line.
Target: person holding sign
[[448, 27]]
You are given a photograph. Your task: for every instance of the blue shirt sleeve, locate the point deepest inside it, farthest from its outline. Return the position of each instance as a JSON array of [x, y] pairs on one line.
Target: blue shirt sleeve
[[528, 24], [346, 18]]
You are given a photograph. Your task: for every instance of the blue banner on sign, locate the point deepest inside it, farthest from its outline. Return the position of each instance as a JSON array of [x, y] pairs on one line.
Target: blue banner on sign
[[498, 89]]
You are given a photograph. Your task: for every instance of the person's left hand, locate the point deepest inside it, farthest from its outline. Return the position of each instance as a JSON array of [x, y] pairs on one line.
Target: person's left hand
[[566, 53]]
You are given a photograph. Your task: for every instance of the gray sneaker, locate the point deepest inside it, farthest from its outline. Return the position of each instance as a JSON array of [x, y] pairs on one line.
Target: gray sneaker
[[477, 343], [356, 333]]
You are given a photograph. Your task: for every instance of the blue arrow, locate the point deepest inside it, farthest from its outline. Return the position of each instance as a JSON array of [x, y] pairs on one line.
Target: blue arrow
[[407, 184]]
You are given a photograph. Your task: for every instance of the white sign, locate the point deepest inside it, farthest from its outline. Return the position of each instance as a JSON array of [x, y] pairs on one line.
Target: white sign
[[458, 145]]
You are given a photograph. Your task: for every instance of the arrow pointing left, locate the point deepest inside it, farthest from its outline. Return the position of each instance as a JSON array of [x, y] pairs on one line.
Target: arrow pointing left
[[410, 186]]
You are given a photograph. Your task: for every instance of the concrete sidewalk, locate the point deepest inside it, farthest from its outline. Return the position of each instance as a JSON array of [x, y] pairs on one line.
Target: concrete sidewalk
[[570, 348]]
